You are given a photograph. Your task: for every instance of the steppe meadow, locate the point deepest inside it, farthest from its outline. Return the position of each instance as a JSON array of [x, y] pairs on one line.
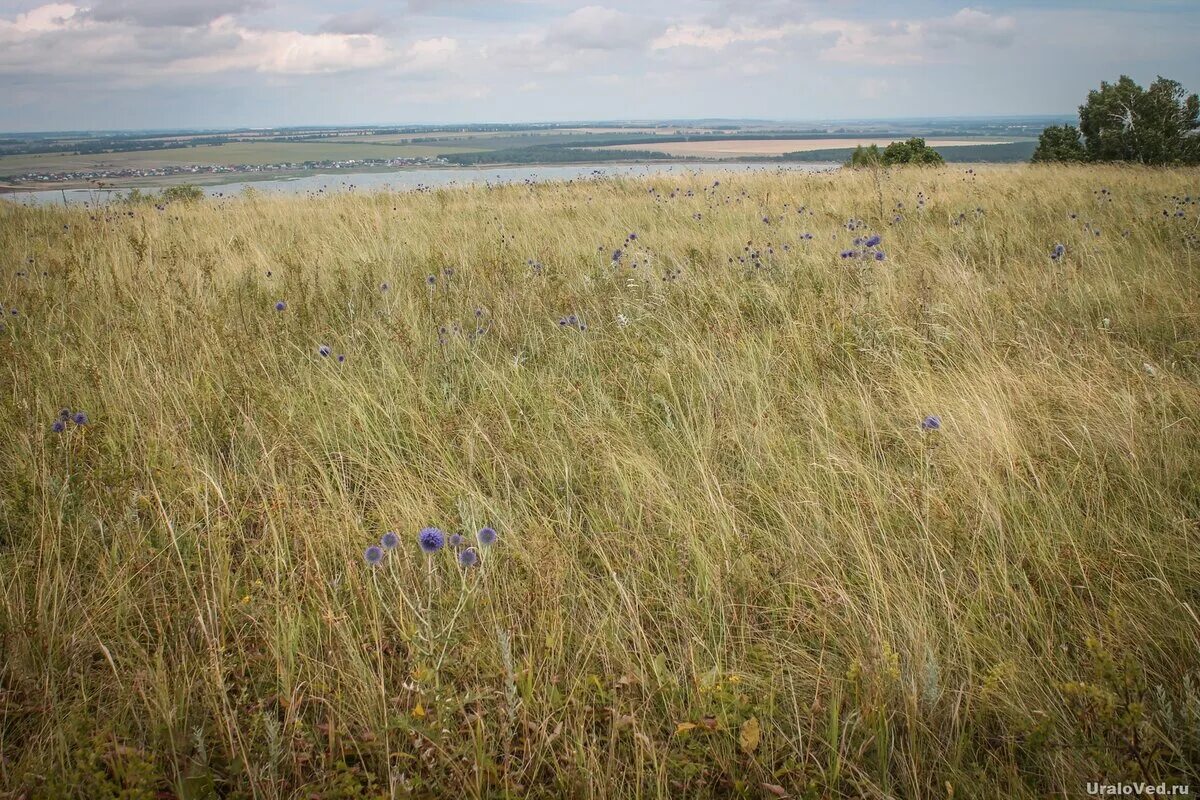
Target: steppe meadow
[[875, 483]]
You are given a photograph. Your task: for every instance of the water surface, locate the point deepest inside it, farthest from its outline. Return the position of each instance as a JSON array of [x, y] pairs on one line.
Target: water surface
[[409, 179]]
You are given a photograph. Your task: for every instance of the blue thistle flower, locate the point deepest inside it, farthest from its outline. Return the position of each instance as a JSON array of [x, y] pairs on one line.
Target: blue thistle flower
[[64, 414], [80, 418], [456, 539], [874, 240], [280, 306], [487, 536], [431, 540], [390, 540], [431, 280], [879, 256], [469, 557], [616, 255], [59, 426], [324, 351], [931, 423], [341, 358], [373, 555]]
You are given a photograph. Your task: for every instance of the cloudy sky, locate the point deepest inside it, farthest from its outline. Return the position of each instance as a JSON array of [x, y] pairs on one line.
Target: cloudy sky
[[105, 64]]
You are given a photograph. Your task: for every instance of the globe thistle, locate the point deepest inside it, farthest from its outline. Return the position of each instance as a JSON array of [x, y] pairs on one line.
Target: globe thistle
[[64, 414], [80, 418], [59, 426], [280, 306], [373, 555], [456, 539], [341, 358], [487, 536], [874, 240], [469, 557], [431, 540], [390, 540], [931, 423], [324, 351]]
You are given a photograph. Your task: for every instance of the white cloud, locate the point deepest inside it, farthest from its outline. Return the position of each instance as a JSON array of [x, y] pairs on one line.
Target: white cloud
[[54, 16], [289, 52], [601, 28], [971, 25], [711, 38], [67, 40]]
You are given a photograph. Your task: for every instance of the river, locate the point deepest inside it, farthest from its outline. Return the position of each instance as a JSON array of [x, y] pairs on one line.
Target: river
[[420, 178]]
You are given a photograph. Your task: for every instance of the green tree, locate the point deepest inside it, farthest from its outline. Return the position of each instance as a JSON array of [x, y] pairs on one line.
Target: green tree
[[1060, 143], [911, 151], [183, 193], [1123, 122], [865, 156]]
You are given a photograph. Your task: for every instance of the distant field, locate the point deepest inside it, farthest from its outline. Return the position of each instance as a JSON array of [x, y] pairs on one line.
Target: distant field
[[774, 147], [235, 153], [522, 135]]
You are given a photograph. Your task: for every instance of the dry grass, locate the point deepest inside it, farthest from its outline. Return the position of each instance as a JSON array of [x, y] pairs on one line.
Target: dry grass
[[730, 563], [722, 148]]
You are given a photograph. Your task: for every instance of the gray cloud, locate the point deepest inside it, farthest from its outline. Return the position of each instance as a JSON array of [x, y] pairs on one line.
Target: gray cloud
[[357, 22], [162, 13]]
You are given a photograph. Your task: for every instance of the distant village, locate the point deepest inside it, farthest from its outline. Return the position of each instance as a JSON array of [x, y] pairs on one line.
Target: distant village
[[218, 169]]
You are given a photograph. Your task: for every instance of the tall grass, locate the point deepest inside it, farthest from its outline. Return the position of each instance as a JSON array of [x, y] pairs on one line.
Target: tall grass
[[730, 561]]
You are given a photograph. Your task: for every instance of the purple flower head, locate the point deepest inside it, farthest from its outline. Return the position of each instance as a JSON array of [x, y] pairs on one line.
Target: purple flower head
[[280, 306], [431, 280], [390, 540], [874, 240], [80, 418], [468, 557], [616, 255], [324, 351], [931, 423], [431, 540], [341, 358], [487, 536], [373, 555], [879, 256], [64, 414], [456, 539], [383, 287], [59, 426]]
